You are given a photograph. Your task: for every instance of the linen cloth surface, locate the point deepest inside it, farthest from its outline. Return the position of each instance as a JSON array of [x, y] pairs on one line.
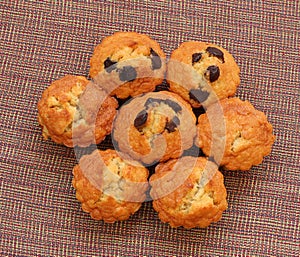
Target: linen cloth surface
[[42, 41]]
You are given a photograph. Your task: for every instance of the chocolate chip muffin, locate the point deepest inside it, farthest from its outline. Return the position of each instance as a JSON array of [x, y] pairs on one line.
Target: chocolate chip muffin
[[154, 127], [188, 192], [201, 73], [108, 188], [72, 111], [246, 140], [128, 64]]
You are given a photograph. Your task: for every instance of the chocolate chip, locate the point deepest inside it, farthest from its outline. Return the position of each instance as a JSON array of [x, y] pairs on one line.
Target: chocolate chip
[[176, 120], [109, 65], [212, 73], [215, 52], [172, 124], [150, 101], [127, 73], [175, 106], [155, 60], [196, 57], [155, 63], [198, 95], [141, 119]]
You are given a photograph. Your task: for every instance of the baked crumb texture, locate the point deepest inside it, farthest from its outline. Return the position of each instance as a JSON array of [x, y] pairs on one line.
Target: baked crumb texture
[[72, 111], [248, 134], [201, 73], [192, 203], [128, 64], [108, 188]]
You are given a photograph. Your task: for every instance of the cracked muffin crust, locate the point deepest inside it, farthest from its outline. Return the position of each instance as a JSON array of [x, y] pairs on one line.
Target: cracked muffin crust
[[247, 139], [195, 202], [154, 127], [202, 73], [134, 61], [108, 188], [72, 111]]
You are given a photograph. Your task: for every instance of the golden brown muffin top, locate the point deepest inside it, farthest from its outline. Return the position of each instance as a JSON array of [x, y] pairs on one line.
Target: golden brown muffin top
[[74, 111], [128, 64], [109, 188], [122, 46], [201, 72], [247, 137], [188, 192]]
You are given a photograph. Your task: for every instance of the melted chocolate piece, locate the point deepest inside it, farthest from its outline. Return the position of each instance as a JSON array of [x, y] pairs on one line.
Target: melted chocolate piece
[[151, 101], [141, 119], [198, 95], [215, 52], [109, 65], [212, 73], [196, 57], [127, 73], [172, 124], [155, 60], [175, 106], [176, 120]]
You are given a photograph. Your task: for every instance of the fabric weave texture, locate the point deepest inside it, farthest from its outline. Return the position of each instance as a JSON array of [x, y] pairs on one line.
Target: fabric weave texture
[[42, 41]]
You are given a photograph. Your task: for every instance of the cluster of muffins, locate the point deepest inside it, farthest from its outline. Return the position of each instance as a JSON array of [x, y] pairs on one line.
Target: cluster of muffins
[[164, 150]]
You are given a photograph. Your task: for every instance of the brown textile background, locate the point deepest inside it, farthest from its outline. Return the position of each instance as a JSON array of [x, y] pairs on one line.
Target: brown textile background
[[41, 41]]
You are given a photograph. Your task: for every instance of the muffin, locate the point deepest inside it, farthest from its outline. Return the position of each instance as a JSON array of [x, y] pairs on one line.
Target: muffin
[[108, 188], [128, 64], [154, 127], [248, 136], [72, 111], [201, 73], [188, 192]]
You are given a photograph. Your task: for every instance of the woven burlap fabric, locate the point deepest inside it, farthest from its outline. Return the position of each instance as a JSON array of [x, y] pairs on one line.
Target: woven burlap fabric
[[41, 41]]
